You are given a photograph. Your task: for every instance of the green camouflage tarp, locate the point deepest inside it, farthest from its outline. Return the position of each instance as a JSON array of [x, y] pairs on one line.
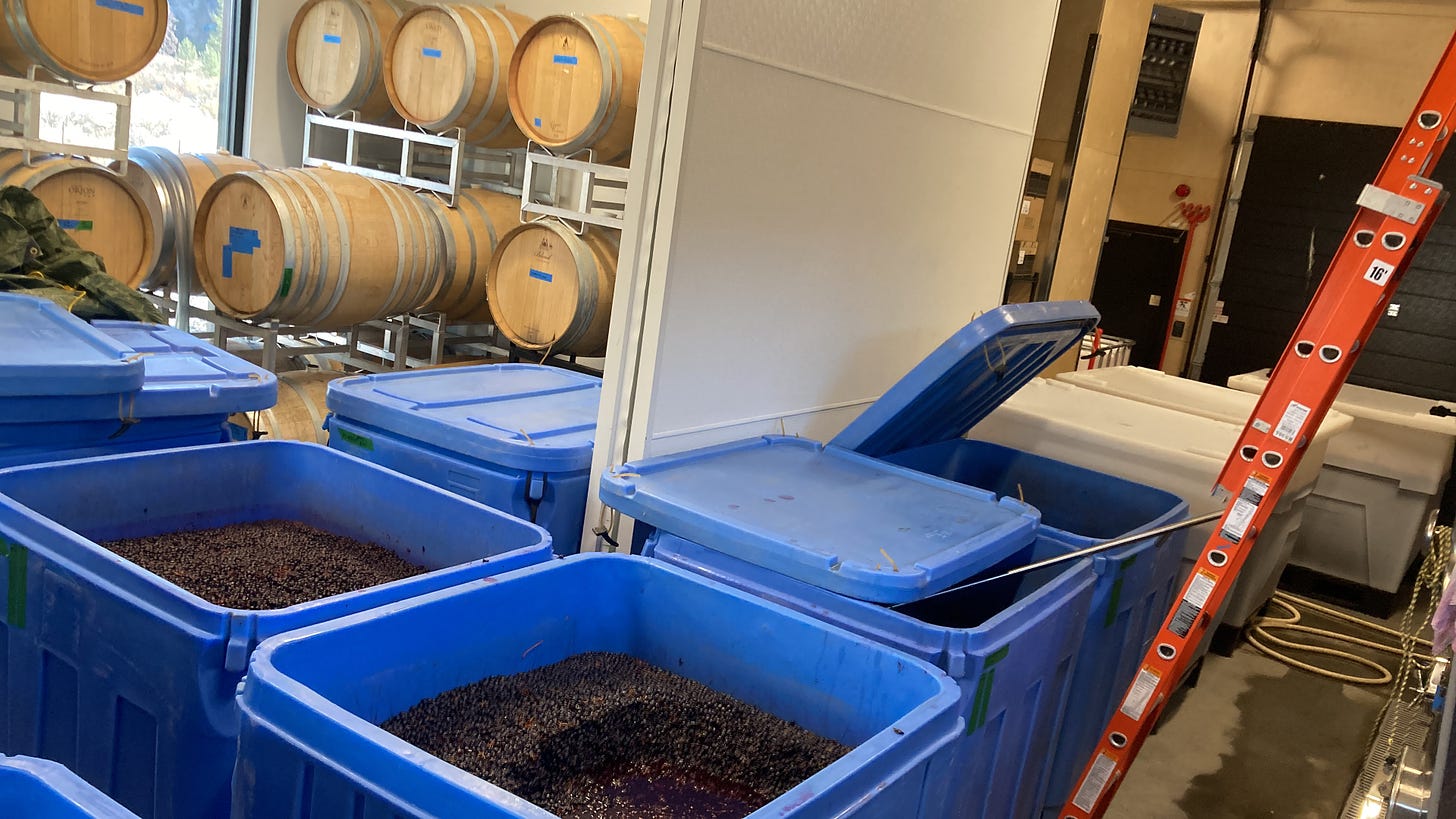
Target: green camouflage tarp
[[40, 259]]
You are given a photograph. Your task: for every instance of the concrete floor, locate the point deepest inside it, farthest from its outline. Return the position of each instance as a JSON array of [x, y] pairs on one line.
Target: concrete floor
[[1255, 738]]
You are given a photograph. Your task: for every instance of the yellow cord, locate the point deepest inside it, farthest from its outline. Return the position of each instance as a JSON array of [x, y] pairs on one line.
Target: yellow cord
[[1430, 579]]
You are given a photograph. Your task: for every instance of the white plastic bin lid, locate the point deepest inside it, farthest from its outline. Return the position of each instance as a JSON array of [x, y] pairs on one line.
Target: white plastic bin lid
[[968, 376], [45, 351], [1154, 445], [1194, 397], [1394, 436]]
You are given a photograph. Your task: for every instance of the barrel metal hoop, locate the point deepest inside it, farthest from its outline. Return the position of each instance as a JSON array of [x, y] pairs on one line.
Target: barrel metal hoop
[[310, 274], [399, 267], [290, 249], [345, 251], [611, 62], [495, 79]]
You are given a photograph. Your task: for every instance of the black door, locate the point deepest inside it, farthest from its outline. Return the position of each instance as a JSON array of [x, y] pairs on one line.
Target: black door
[[1137, 284]]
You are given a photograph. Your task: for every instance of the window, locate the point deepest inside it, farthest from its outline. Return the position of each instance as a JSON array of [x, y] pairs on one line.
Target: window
[[177, 100]]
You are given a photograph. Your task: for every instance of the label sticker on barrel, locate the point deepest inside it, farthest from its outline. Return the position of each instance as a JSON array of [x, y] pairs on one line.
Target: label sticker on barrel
[[1086, 797], [287, 282], [1199, 588], [333, 39], [564, 59], [1141, 693], [1292, 422], [124, 7], [75, 224], [540, 274], [434, 53]]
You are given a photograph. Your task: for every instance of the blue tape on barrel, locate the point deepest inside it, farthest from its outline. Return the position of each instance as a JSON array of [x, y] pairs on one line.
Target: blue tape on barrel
[[564, 59], [540, 274], [333, 38], [120, 5], [432, 52]]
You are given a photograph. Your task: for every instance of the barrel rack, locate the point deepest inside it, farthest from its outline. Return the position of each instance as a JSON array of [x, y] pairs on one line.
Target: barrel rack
[[572, 189], [22, 130]]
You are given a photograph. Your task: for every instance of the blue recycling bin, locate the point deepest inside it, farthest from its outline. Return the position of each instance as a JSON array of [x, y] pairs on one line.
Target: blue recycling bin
[[1016, 646], [40, 789], [75, 390], [130, 680], [314, 698], [517, 437]]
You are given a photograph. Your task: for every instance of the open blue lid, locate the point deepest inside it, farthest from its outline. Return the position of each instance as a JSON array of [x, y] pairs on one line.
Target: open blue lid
[[46, 351], [522, 416], [968, 376], [841, 521]]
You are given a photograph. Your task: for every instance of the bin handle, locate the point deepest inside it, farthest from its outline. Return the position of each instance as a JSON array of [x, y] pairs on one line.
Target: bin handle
[[1160, 532]]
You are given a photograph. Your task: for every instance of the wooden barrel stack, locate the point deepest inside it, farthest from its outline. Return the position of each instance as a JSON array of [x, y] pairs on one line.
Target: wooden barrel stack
[[551, 290], [315, 248], [170, 187], [472, 229], [574, 83], [445, 67], [92, 204], [300, 412], [84, 41], [335, 55]]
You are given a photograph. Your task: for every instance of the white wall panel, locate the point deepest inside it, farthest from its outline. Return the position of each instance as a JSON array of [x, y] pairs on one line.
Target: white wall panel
[[825, 240], [844, 199], [980, 59]]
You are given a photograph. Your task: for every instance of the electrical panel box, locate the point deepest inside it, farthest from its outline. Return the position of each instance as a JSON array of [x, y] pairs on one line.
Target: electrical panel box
[[1157, 104]]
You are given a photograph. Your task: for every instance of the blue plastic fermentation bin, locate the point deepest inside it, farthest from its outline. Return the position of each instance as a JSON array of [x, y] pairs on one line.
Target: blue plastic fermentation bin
[[1135, 583], [310, 744], [39, 789], [1013, 645], [517, 437], [117, 386], [129, 680]]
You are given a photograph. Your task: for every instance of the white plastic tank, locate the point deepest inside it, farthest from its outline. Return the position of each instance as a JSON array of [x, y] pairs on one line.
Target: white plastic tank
[[1167, 448], [1267, 561], [1373, 508]]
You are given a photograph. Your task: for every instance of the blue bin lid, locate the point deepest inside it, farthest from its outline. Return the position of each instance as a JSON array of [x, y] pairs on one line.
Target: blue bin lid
[[188, 376], [45, 350], [968, 376], [840, 521], [522, 416]]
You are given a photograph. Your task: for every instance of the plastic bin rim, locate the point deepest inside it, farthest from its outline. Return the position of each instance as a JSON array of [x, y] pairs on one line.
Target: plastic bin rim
[[177, 600], [66, 785], [261, 670]]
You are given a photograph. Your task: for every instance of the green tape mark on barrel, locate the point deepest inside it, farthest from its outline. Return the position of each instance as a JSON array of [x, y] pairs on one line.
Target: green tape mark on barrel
[[981, 700], [287, 282], [16, 557], [1115, 596], [356, 439]]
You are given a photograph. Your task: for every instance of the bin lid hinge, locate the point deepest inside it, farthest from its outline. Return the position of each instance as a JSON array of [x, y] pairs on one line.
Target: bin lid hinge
[[242, 636]]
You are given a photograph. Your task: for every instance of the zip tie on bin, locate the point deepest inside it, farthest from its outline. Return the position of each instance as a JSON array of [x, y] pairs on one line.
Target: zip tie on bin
[[528, 438], [124, 415]]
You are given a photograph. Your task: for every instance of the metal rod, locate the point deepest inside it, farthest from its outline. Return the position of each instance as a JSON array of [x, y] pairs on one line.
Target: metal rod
[[1159, 532]]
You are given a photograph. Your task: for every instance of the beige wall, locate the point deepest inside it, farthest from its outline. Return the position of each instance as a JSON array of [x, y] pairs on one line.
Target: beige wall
[[1114, 75], [1153, 166], [1338, 60]]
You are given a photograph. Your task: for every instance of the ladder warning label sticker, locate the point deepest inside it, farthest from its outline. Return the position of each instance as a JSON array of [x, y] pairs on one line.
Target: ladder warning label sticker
[[1379, 272], [1261, 425], [1241, 515], [1292, 422], [1096, 781], [1199, 588], [1141, 693]]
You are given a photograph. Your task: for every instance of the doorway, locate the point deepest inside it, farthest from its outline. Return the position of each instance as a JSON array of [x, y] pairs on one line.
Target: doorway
[[1137, 286]]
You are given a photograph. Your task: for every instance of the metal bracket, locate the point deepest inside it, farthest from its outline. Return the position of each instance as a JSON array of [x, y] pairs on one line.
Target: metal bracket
[[438, 163], [598, 193], [1392, 204], [23, 131]]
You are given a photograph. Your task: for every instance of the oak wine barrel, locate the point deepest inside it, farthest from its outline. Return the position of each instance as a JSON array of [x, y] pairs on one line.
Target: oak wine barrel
[[98, 208], [85, 41], [336, 55], [445, 67], [472, 229], [551, 290], [574, 83], [170, 186], [300, 412], [315, 248]]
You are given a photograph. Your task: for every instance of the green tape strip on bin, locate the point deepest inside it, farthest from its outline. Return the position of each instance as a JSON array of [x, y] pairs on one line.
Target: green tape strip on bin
[[1115, 596], [16, 556], [981, 700]]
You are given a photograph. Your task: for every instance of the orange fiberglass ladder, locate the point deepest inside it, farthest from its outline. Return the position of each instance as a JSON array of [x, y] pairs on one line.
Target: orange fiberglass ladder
[[1394, 216]]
